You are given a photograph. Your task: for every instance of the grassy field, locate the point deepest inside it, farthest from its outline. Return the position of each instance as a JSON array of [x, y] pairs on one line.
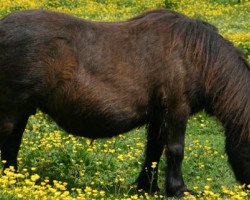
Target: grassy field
[[55, 165]]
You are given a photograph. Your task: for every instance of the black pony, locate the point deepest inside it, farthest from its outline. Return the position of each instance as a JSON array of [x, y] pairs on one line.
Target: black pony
[[99, 79]]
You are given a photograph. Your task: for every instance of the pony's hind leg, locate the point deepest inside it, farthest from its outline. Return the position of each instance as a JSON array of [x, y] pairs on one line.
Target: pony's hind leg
[[12, 125], [11, 144], [147, 179]]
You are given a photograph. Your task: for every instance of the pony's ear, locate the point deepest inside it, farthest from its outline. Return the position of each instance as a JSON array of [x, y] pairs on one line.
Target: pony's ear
[[208, 25]]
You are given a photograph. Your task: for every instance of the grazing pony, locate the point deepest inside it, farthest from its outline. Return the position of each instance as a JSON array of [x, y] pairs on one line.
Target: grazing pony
[[100, 79]]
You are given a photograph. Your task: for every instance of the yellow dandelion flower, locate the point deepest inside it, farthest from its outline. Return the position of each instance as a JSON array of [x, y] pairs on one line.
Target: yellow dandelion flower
[[102, 193], [207, 187], [154, 164], [87, 189], [33, 168], [34, 177], [120, 157]]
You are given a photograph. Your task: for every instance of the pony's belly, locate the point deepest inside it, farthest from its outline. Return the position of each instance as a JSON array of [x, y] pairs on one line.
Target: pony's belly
[[94, 120], [98, 126]]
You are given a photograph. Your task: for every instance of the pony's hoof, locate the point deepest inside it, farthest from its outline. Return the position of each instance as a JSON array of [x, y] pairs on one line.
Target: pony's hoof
[[180, 193]]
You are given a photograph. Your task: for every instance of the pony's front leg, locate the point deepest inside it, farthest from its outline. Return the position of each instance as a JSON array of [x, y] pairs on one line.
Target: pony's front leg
[[175, 185], [147, 179]]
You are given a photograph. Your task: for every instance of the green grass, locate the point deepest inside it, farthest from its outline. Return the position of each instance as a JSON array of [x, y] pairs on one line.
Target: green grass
[[113, 164]]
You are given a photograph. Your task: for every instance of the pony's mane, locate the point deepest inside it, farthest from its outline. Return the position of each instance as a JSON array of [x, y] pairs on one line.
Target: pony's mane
[[156, 14], [223, 67]]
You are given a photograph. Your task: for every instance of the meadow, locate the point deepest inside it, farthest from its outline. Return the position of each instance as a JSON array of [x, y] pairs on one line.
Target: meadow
[[56, 165]]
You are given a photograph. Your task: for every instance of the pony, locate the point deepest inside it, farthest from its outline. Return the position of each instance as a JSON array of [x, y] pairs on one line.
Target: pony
[[100, 79]]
